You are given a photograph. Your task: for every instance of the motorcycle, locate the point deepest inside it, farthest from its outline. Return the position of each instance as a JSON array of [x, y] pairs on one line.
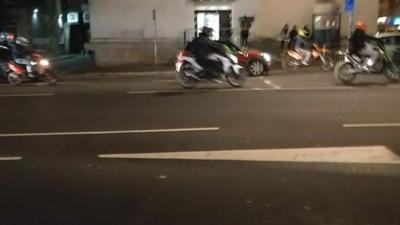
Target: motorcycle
[[291, 60], [347, 70], [190, 72], [33, 67]]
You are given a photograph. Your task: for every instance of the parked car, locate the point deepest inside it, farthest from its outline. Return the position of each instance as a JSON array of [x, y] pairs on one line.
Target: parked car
[[256, 62], [391, 41]]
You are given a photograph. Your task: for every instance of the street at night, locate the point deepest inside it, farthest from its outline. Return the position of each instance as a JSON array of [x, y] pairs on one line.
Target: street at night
[[199, 112], [57, 135]]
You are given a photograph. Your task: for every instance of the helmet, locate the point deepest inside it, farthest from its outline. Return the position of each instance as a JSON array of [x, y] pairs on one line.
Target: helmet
[[7, 37], [304, 33], [206, 32], [22, 41], [361, 25]]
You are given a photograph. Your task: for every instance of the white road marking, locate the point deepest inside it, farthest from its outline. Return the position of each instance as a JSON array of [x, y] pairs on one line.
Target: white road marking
[[367, 125], [193, 91], [367, 154], [26, 95], [272, 84], [327, 88], [16, 158], [110, 132]]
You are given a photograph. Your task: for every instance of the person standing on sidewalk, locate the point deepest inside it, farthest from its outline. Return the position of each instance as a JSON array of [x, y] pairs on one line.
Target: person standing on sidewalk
[[244, 35], [283, 36], [292, 37]]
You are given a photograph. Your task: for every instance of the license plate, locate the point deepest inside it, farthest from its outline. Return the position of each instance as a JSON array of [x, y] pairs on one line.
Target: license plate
[[29, 69]]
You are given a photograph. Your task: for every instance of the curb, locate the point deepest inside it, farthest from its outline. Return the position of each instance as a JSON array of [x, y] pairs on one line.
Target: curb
[[155, 74]]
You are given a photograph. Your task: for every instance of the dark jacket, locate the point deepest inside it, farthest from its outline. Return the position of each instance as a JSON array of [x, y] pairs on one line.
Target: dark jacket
[[292, 34], [358, 39], [202, 47]]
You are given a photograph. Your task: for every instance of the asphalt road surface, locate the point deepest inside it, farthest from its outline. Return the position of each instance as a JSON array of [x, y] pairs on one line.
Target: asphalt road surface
[[290, 148]]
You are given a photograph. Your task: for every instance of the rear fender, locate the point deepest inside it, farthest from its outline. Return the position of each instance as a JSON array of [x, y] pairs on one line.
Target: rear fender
[[18, 70]]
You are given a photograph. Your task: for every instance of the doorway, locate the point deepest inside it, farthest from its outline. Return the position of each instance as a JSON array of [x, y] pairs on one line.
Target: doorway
[[220, 21]]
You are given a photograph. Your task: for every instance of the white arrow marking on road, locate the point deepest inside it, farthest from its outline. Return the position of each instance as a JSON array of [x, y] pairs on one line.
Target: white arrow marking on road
[[110, 132], [27, 95], [368, 154], [369, 125], [10, 158]]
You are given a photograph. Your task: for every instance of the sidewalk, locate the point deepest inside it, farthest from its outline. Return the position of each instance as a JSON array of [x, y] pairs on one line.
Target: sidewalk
[[79, 66]]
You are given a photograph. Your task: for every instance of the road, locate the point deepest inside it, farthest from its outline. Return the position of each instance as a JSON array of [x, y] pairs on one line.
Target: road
[[290, 148]]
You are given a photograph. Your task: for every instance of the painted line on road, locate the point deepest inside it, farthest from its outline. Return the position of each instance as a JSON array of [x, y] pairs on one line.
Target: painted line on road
[[272, 84], [26, 95], [195, 91], [14, 158], [111, 132], [364, 154], [371, 125], [327, 88]]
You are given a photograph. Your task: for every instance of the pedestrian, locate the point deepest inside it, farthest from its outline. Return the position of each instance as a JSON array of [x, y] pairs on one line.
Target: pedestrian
[[283, 36], [292, 37], [244, 34]]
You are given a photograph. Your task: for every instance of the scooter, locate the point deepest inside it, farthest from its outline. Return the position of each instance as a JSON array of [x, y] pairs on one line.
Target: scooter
[[190, 72], [31, 68]]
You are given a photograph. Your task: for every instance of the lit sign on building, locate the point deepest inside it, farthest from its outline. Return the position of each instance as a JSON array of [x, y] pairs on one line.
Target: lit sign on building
[[73, 17], [382, 19], [396, 21]]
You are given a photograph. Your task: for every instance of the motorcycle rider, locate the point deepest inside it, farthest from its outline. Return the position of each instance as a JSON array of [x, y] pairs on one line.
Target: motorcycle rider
[[20, 48], [359, 44], [303, 45], [202, 47]]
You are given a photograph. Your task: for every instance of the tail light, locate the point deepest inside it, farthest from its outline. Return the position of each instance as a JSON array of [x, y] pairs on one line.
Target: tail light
[[179, 56]]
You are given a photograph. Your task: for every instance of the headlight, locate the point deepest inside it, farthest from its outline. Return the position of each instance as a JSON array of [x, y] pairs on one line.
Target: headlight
[[266, 56], [44, 62], [234, 58]]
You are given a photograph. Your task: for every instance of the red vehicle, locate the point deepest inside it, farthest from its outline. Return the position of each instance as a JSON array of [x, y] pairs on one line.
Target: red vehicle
[[33, 67], [255, 62]]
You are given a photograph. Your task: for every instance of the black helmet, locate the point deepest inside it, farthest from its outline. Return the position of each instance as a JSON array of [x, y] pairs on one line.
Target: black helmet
[[206, 32]]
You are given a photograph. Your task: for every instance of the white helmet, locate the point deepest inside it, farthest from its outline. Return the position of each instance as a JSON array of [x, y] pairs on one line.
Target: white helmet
[[22, 41]]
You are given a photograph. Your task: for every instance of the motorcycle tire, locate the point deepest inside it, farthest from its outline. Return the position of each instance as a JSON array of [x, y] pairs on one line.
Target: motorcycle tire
[[341, 75], [51, 78], [14, 79], [327, 63], [289, 63], [236, 80], [391, 74], [183, 79]]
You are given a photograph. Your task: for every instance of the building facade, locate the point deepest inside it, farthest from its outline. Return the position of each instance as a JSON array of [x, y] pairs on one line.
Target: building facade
[[136, 31]]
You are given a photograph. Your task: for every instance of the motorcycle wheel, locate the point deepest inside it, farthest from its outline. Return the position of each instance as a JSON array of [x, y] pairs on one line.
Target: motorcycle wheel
[[14, 79], [391, 74], [289, 63], [51, 78], [236, 79], [185, 80], [343, 72], [327, 63]]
